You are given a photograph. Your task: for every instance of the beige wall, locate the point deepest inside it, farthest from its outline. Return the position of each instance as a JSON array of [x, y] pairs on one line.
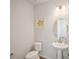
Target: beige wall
[[22, 16]]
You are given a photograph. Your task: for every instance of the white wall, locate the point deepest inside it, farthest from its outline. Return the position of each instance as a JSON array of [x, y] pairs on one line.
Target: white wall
[[46, 12], [22, 32], [22, 35]]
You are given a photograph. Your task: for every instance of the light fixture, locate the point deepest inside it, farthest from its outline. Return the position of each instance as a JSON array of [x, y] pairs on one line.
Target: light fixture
[[60, 10], [60, 7]]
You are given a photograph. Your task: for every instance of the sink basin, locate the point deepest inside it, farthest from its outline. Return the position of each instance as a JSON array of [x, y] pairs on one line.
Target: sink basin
[[60, 45]]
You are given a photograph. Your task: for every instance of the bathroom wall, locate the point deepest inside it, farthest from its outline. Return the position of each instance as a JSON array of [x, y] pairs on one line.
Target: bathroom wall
[[46, 12], [21, 28]]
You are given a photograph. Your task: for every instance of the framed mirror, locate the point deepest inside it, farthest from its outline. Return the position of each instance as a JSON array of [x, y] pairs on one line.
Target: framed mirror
[[61, 27]]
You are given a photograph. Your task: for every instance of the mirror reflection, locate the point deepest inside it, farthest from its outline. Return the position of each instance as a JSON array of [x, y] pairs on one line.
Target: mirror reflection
[[61, 28]]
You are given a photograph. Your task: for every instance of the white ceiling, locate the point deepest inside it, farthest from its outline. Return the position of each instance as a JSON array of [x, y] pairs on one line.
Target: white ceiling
[[37, 1]]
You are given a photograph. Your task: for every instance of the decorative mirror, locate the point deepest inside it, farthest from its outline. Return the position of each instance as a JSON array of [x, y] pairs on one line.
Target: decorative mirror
[[61, 28]]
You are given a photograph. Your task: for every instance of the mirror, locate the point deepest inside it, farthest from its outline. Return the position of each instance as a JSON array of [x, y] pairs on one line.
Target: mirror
[[61, 28]]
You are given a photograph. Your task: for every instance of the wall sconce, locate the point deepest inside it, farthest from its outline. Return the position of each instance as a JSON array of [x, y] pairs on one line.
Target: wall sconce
[[60, 10], [61, 7]]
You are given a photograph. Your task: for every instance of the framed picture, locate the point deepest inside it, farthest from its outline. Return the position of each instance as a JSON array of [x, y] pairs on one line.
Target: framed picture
[[39, 23]]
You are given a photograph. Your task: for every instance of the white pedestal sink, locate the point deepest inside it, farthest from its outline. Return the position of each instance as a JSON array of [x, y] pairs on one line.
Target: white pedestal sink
[[60, 46]]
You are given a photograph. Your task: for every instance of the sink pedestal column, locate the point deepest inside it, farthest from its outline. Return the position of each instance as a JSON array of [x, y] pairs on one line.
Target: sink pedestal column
[[60, 47], [59, 54]]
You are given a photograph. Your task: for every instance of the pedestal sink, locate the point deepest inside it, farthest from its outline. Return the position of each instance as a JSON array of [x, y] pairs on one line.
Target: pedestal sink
[[60, 46]]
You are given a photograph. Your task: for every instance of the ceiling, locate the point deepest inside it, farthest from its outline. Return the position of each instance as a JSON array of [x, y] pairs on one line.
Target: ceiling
[[37, 1]]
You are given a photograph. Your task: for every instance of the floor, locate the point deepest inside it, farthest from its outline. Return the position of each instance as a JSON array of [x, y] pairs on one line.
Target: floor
[[42, 57]]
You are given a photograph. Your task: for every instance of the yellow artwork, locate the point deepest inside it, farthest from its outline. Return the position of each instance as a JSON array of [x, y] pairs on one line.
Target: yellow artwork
[[40, 23]]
